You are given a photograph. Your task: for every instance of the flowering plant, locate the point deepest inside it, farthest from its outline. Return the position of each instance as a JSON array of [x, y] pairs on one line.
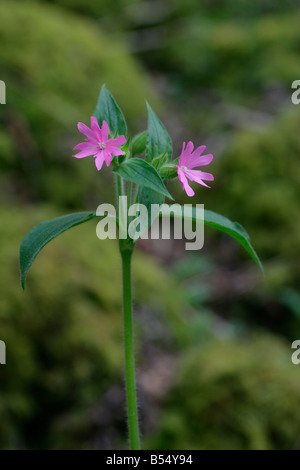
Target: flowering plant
[[107, 141]]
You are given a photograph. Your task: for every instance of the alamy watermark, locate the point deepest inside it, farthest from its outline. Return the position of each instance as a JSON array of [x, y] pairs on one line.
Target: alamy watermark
[[296, 354], [2, 92], [154, 222], [2, 352], [296, 94]]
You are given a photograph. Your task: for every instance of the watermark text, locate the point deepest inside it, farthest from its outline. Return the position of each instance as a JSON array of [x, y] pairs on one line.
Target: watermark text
[[154, 222], [2, 352], [2, 92]]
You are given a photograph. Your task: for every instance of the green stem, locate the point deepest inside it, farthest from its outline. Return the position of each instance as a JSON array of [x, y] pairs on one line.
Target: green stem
[[121, 206], [126, 253], [129, 193], [129, 353], [120, 187]]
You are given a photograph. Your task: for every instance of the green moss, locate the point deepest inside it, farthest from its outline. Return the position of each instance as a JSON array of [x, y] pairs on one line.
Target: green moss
[[104, 8], [54, 64], [222, 53], [233, 395]]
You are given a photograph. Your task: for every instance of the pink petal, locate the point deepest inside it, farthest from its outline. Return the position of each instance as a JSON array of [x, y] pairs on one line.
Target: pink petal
[[114, 150], [96, 129], [185, 185], [86, 148], [121, 140], [198, 176], [189, 147], [182, 157], [82, 155], [183, 148], [194, 174], [200, 160], [108, 157], [185, 154], [105, 131], [87, 131], [99, 160], [198, 151]]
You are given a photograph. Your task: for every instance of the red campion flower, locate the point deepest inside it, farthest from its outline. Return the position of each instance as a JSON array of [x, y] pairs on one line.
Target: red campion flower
[[189, 160], [98, 144]]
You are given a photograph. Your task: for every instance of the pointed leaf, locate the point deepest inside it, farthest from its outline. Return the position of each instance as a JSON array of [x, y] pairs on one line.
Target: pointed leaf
[[158, 142], [140, 172], [220, 222], [108, 110], [158, 162], [234, 229], [43, 233], [139, 143]]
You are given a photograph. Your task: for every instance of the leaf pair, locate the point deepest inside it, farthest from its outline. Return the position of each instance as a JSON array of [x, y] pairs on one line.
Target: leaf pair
[[46, 231]]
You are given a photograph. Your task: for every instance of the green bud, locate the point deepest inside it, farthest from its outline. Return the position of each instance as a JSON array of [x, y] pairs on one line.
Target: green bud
[[168, 171], [139, 143]]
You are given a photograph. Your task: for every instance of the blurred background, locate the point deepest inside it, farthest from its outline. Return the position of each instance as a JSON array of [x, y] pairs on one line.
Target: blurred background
[[213, 339]]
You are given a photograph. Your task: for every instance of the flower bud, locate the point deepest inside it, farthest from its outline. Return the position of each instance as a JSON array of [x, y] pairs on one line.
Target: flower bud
[[168, 171]]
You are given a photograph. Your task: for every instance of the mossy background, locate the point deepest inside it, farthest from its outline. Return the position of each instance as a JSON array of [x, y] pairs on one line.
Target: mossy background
[[213, 340]]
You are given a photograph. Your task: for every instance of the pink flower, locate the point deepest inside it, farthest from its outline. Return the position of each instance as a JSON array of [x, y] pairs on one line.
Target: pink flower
[[189, 160], [98, 144]]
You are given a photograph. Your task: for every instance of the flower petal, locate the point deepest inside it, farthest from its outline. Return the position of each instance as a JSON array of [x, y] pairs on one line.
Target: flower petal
[[200, 160], [87, 131], [185, 185], [108, 157], [186, 154], [198, 176], [105, 131], [86, 148], [181, 158], [199, 150], [114, 150], [96, 129], [121, 140], [189, 147], [99, 160], [193, 175]]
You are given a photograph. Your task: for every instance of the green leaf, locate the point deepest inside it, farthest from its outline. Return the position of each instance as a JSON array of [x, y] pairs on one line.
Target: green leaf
[[235, 230], [43, 233], [220, 222], [159, 161], [119, 159], [108, 110], [158, 142], [140, 172], [126, 146], [139, 144]]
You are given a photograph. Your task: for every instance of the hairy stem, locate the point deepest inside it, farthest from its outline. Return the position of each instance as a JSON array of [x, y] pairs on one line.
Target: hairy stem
[[126, 250], [129, 193], [129, 353]]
